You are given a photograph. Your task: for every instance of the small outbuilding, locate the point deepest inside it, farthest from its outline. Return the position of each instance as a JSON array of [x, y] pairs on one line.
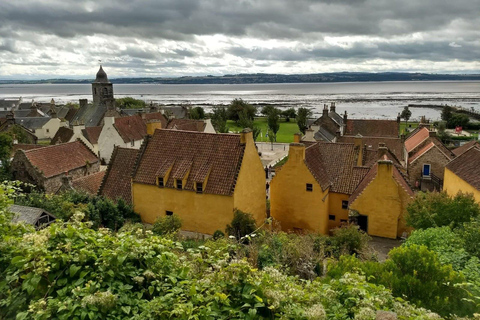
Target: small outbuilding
[[36, 217]]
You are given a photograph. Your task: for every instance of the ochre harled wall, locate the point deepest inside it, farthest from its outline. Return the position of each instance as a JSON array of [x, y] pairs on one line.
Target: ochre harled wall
[[335, 208], [452, 184], [295, 208], [152, 125], [384, 201]]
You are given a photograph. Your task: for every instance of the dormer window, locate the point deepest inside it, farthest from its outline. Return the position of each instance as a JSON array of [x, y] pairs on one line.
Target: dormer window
[[199, 187], [179, 184], [160, 182]]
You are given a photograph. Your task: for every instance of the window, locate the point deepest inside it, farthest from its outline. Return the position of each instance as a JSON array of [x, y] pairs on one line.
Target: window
[[199, 187], [169, 213], [105, 91], [309, 187], [48, 130], [331, 217], [160, 182], [94, 90], [132, 143], [344, 204], [179, 184]]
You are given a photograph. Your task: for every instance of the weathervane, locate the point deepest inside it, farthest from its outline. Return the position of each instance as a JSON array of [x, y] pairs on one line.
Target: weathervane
[[100, 62]]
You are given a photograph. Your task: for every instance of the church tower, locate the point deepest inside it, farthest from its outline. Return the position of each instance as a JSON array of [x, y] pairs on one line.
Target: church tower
[[102, 90]]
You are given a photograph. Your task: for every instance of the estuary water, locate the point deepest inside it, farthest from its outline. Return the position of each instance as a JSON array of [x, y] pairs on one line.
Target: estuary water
[[360, 99]]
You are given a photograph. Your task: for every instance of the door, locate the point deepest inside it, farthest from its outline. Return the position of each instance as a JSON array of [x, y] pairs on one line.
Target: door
[[362, 222], [426, 170]]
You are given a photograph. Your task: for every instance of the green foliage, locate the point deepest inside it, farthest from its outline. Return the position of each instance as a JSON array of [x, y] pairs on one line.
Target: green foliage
[[238, 106], [167, 225], [302, 116], [246, 122], [273, 124], [197, 113], [348, 239], [130, 103], [219, 119], [406, 114], [458, 119], [447, 112], [218, 234], [288, 114], [470, 233], [442, 134], [267, 109], [6, 144], [242, 224], [437, 209]]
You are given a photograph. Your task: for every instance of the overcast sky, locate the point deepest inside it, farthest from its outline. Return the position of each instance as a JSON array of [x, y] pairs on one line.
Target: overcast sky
[[134, 38]]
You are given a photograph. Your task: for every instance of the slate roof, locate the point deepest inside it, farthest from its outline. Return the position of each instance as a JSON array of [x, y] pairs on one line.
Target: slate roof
[[29, 215], [118, 177], [416, 138], [458, 151], [178, 112], [61, 158], [131, 128], [375, 128], [89, 115], [92, 134], [89, 184], [9, 103], [17, 113], [32, 123], [187, 125], [63, 135], [222, 153], [466, 166], [324, 135], [336, 117]]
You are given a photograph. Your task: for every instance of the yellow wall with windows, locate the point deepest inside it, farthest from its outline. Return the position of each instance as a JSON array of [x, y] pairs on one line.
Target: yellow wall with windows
[[335, 208], [384, 201], [295, 208], [452, 184]]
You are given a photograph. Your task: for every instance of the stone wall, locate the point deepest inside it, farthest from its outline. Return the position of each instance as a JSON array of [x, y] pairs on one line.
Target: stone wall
[[435, 158]]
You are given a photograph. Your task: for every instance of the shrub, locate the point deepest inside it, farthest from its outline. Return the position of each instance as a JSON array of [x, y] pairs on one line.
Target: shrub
[[167, 225], [348, 239], [242, 224], [218, 234]]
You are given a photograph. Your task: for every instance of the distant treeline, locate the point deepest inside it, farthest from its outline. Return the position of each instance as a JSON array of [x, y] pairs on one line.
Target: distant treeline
[[274, 78]]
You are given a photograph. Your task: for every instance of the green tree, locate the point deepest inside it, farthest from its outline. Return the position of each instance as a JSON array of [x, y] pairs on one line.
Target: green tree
[[442, 133], [130, 103], [458, 119], [167, 225], [302, 116], [273, 120], [406, 114], [6, 144], [197, 113], [242, 224], [267, 109], [237, 106], [246, 122], [219, 119], [437, 209], [447, 112], [289, 113]]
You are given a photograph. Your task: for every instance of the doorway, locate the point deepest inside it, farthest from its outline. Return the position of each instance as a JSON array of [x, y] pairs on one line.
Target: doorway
[[362, 222]]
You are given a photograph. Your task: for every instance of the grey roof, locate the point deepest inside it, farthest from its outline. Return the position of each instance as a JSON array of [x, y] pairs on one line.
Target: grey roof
[[90, 115], [336, 117], [324, 135], [131, 112], [101, 76], [178, 112], [310, 122], [28, 215], [18, 113], [9, 103], [32, 123]]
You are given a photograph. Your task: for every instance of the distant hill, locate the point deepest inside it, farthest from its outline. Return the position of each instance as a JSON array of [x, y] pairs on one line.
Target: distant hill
[[274, 78]]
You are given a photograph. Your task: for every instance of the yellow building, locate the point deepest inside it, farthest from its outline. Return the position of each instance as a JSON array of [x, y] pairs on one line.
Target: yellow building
[[380, 200], [201, 177], [463, 174]]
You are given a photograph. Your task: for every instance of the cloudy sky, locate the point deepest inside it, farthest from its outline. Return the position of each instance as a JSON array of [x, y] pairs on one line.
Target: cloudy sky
[[134, 38]]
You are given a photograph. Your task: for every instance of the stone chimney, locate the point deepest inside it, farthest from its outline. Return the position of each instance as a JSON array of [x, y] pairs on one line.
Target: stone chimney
[[358, 142], [432, 133], [296, 152], [52, 103], [246, 136], [297, 137], [309, 135], [385, 169], [332, 107], [325, 111], [345, 117], [83, 103], [398, 117], [382, 150]]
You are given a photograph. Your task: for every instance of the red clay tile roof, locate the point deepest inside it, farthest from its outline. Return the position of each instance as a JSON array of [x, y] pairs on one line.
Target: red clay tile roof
[[421, 152], [187, 125], [131, 128], [394, 144], [466, 166], [61, 158], [458, 151], [92, 134], [155, 116], [118, 177], [63, 135], [223, 152], [314, 162], [24, 146], [89, 184], [375, 128], [415, 139]]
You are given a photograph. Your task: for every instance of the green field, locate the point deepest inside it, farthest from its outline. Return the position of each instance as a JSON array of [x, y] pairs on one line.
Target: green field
[[285, 134]]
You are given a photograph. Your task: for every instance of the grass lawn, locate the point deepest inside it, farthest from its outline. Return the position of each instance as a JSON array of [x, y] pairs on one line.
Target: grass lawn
[[284, 134], [411, 126]]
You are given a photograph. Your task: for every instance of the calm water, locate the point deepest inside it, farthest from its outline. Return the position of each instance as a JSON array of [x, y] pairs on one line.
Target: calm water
[[359, 99]]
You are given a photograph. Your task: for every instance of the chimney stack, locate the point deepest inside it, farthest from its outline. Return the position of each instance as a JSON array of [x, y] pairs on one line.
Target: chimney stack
[[296, 152], [83, 103], [432, 133], [345, 117], [382, 150], [332, 107], [325, 111], [309, 135], [246, 135], [385, 169], [358, 142], [398, 117], [297, 137]]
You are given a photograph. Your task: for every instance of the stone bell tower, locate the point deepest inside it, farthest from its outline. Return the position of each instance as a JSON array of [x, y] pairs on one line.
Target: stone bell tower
[[102, 90]]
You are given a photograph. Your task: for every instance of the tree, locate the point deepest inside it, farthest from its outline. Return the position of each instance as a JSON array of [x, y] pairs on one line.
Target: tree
[[197, 113], [437, 209], [130, 103], [447, 112], [237, 106], [267, 109], [442, 133], [167, 225], [406, 114], [6, 144], [241, 225], [273, 124], [245, 122], [458, 119], [302, 116], [289, 113], [219, 119]]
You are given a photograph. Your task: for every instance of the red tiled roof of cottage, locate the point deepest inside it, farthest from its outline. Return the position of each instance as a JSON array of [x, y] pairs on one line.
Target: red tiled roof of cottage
[[131, 128], [223, 152], [156, 116], [92, 134], [118, 177], [314, 162], [89, 184], [61, 158], [187, 125], [421, 152], [394, 144], [466, 167], [458, 151], [25, 147], [415, 139], [63, 135], [372, 128]]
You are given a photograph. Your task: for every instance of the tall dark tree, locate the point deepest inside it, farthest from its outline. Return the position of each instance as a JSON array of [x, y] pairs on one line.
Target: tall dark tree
[[238, 106], [302, 116], [273, 120], [447, 112], [289, 113], [219, 119], [458, 119], [245, 122], [267, 109], [197, 113], [406, 114]]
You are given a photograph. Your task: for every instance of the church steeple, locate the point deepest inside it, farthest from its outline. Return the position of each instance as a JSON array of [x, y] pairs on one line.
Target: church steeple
[[101, 76], [102, 89]]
